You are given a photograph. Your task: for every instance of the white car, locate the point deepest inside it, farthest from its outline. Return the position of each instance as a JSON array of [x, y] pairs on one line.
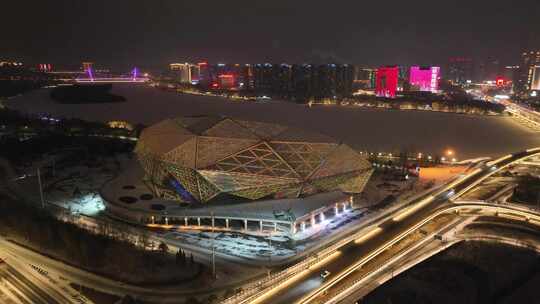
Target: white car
[[325, 274]]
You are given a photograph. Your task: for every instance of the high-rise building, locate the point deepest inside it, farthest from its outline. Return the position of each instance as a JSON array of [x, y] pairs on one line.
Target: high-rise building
[[365, 77], [344, 80], [263, 77], [511, 72], [182, 72], [387, 81], [205, 75], [273, 79], [303, 80], [245, 77], [194, 73], [299, 82], [425, 79], [226, 81], [535, 79], [528, 71], [209, 74], [281, 80], [487, 70], [460, 70], [326, 85], [220, 76], [321, 81]]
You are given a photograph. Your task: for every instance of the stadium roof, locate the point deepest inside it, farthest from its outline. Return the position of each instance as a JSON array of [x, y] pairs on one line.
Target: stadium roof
[[170, 133], [199, 158]]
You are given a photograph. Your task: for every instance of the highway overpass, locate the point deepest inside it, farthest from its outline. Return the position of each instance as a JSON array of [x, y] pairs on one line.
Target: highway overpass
[[301, 283], [367, 281]]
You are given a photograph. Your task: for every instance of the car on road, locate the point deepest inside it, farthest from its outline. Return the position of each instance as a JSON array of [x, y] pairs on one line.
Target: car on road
[[325, 274]]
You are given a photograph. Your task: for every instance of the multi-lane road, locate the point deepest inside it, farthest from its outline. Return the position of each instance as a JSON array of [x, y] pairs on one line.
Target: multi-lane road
[[527, 117], [370, 279], [308, 284], [20, 283]]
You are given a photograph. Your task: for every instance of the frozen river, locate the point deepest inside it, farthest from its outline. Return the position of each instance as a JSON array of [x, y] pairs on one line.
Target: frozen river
[[365, 129]]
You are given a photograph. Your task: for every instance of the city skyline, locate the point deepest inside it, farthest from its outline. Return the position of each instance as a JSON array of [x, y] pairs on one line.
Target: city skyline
[[122, 34], [271, 152]]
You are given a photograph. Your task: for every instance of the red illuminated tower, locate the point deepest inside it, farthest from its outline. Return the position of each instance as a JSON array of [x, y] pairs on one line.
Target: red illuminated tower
[[386, 81]]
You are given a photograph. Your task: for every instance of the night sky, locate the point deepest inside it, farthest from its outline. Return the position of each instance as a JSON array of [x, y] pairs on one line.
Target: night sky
[[118, 33]]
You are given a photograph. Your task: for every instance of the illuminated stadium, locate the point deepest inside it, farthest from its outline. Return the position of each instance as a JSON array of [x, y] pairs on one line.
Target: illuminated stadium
[[207, 159]]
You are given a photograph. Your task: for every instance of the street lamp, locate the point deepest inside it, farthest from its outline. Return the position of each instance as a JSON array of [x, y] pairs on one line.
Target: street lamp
[[40, 188]]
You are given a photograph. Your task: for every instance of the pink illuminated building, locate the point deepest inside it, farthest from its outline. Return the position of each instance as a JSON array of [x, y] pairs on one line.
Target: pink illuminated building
[[386, 81], [45, 67], [425, 79]]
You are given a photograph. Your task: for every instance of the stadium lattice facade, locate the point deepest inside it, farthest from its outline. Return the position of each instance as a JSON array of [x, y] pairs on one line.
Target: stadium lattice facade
[[200, 159]]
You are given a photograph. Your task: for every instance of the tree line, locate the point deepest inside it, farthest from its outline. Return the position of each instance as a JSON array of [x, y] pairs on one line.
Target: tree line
[[101, 252]]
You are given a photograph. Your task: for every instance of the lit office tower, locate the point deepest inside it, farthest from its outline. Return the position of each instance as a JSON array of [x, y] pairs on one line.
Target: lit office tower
[[535, 79], [528, 79], [225, 76], [207, 75], [195, 73], [387, 81], [245, 80], [226, 81], [425, 79], [182, 72]]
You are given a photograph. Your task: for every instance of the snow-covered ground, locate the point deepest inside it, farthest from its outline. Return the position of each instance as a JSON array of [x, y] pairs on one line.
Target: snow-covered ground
[[77, 189], [432, 133], [267, 248], [74, 186], [236, 244]]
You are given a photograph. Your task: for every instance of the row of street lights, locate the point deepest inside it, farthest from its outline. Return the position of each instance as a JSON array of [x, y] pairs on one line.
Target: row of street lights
[[449, 156]]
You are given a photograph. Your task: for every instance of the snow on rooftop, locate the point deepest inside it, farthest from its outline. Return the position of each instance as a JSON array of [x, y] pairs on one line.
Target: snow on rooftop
[[265, 209]]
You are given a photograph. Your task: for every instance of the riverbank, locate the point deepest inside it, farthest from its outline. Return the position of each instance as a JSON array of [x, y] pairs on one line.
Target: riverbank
[[365, 129]]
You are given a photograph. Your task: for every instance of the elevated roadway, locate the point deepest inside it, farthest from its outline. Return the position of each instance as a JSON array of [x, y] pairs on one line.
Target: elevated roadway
[[21, 283], [302, 283], [350, 293], [527, 117]]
